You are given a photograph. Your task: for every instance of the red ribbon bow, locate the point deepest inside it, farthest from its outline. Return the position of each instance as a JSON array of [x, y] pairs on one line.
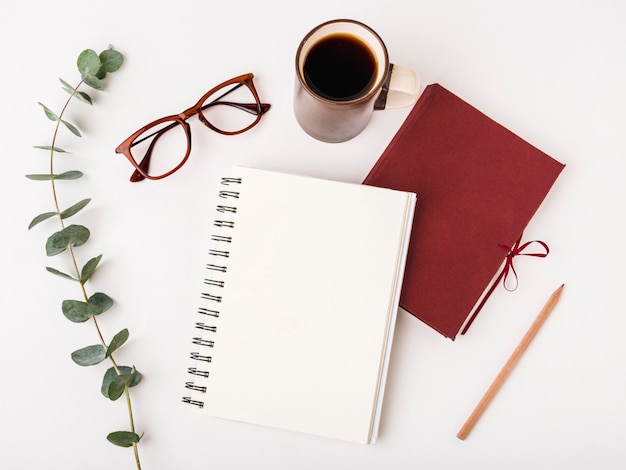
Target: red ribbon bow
[[512, 251]]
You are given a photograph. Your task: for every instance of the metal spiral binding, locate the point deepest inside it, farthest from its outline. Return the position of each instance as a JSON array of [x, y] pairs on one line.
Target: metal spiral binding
[[189, 401], [198, 372], [224, 223], [221, 238], [203, 342], [215, 282], [192, 386]]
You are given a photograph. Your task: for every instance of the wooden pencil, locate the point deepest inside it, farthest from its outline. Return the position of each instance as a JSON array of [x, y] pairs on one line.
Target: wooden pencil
[[508, 367]]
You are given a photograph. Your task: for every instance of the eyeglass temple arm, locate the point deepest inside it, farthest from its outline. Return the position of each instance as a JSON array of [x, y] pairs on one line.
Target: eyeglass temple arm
[[144, 164], [252, 108]]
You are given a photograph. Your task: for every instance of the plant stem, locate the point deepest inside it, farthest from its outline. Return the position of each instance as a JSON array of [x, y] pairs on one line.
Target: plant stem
[[54, 139], [78, 274], [132, 426]]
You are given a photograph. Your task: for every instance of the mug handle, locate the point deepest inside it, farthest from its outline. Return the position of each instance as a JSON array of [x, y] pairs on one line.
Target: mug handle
[[401, 88]]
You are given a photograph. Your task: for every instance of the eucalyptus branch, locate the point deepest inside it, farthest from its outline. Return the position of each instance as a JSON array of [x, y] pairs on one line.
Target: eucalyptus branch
[[117, 379]]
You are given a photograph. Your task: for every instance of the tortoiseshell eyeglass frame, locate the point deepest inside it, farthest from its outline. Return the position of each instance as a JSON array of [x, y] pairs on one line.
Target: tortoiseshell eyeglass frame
[[142, 166]]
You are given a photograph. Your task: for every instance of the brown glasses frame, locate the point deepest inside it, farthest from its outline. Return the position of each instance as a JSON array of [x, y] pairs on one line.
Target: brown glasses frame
[[141, 168]]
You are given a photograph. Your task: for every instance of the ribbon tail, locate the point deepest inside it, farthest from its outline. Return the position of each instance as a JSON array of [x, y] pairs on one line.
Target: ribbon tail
[[479, 307]]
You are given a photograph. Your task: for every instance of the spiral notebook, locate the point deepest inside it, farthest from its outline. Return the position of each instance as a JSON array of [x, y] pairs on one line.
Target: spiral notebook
[[298, 304]]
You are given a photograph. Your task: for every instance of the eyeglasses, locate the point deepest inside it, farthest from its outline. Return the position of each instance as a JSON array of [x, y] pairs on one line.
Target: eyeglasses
[[160, 148]]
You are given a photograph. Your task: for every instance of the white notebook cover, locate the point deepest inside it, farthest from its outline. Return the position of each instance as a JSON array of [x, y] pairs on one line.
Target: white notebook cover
[[299, 303]]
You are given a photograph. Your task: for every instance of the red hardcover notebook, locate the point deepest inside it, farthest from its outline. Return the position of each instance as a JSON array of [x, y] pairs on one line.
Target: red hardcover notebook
[[478, 185]]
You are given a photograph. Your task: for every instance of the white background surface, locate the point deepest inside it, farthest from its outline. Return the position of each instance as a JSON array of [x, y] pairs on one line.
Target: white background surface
[[551, 71]]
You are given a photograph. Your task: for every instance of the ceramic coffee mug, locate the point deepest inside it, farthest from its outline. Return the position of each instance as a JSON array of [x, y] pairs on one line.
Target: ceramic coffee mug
[[343, 74]]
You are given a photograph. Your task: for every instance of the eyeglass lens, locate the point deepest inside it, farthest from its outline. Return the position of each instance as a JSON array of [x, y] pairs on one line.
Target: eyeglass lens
[[232, 110]]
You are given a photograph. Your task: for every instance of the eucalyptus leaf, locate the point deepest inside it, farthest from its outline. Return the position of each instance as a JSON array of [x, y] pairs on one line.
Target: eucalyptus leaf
[[130, 377], [70, 211], [123, 438], [67, 175], [67, 87], [78, 311], [72, 235], [109, 375], [40, 177], [117, 386], [90, 355], [72, 128], [117, 341], [49, 114], [102, 301], [56, 272], [84, 97], [93, 81], [111, 60], [81, 95], [88, 63], [48, 147], [89, 269], [40, 218]]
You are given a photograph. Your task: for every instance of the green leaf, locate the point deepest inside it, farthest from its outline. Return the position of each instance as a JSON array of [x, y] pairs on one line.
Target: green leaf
[[82, 96], [56, 272], [40, 177], [40, 218], [88, 63], [48, 147], [101, 300], [72, 235], [50, 115], [109, 376], [89, 269], [90, 355], [93, 81], [67, 87], [111, 61], [117, 386], [123, 438], [67, 175], [71, 128], [112, 381], [70, 211], [79, 312], [117, 341], [119, 383]]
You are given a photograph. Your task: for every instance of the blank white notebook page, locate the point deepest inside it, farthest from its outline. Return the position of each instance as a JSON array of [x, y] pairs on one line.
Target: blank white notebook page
[[301, 322]]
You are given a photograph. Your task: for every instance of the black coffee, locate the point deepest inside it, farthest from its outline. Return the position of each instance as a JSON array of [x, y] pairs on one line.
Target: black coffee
[[340, 67]]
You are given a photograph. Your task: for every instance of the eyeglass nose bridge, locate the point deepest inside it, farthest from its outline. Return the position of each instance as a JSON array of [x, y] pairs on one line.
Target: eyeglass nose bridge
[[197, 110]]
